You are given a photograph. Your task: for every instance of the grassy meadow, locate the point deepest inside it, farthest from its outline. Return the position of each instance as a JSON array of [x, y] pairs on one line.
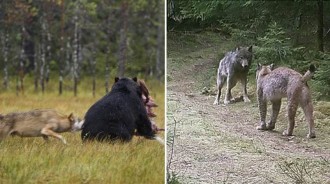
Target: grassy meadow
[[32, 160]]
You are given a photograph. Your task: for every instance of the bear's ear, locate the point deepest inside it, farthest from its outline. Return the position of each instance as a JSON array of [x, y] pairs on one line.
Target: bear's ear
[[134, 79], [116, 79], [250, 49]]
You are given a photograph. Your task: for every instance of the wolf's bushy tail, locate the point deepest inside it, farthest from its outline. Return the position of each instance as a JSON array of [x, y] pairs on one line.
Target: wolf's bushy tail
[[309, 74]]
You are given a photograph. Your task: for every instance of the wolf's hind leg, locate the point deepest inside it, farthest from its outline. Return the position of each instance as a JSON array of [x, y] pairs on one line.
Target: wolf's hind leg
[[47, 132], [220, 82]]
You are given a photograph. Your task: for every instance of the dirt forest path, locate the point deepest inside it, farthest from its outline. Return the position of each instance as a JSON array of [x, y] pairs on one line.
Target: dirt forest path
[[220, 144]]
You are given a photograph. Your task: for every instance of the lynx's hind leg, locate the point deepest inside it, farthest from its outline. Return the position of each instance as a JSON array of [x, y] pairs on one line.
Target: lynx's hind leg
[[292, 110], [307, 106], [262, 103], [276, 106]]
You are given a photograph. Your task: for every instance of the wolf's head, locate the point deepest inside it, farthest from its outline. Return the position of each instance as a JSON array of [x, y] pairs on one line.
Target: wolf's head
[[244, 56], [76, 123]]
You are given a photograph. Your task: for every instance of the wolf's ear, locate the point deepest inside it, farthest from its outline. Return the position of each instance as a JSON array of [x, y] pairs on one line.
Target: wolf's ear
[[271, 66], [71, 118], [238, 48], [116, 79], [134, 79], [250, 49]]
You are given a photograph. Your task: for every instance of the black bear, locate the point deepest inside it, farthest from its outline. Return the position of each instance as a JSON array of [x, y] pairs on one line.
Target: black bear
[[119, 115]]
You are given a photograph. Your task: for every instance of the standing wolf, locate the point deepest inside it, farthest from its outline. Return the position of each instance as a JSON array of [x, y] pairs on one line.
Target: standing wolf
[[273, 85], [232, 68]]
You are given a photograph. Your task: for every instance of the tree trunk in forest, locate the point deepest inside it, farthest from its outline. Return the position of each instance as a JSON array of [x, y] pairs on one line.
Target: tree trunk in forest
[[60, 62], [20, 69], [107, 60], [123, 39], [43, 53], [320, 26], [160, 44], [5, 38], [48, 54], [36, 68], [107, 70], [93, 63], [68, 59], [75, 55]]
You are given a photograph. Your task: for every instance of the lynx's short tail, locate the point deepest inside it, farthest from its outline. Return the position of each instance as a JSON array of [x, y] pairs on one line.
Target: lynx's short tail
[[309, 74]]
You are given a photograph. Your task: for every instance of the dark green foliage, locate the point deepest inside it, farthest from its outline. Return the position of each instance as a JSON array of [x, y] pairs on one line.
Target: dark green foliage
[[282, 32], [274, 46], [172, 178], [322, 76]]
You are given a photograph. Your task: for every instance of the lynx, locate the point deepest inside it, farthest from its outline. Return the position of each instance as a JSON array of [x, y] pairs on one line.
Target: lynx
[[273, 85]]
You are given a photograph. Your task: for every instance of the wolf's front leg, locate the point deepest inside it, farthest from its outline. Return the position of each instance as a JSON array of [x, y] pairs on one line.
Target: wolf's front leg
[[245, 96], [230, 84]]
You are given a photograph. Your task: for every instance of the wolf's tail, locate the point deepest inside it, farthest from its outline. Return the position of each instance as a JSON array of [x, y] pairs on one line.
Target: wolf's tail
[[309, 74]]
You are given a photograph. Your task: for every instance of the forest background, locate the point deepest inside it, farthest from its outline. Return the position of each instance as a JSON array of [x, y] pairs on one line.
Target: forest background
[[292, 33], [67, 41]]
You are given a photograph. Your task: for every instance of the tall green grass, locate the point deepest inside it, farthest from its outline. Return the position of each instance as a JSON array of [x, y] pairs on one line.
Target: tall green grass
[[32, 160]]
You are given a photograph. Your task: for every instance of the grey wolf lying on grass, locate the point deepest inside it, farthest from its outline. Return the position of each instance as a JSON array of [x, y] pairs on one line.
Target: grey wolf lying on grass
[[232, 68], [37, 123], [273, 85]]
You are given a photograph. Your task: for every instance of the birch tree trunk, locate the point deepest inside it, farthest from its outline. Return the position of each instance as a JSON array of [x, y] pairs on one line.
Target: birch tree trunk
[[93, 63], [160, 44], [42, 54], [5, 38], [60, 63], [107, 62], [75, 55], [36, 68], [20, 69], [123, 39]]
